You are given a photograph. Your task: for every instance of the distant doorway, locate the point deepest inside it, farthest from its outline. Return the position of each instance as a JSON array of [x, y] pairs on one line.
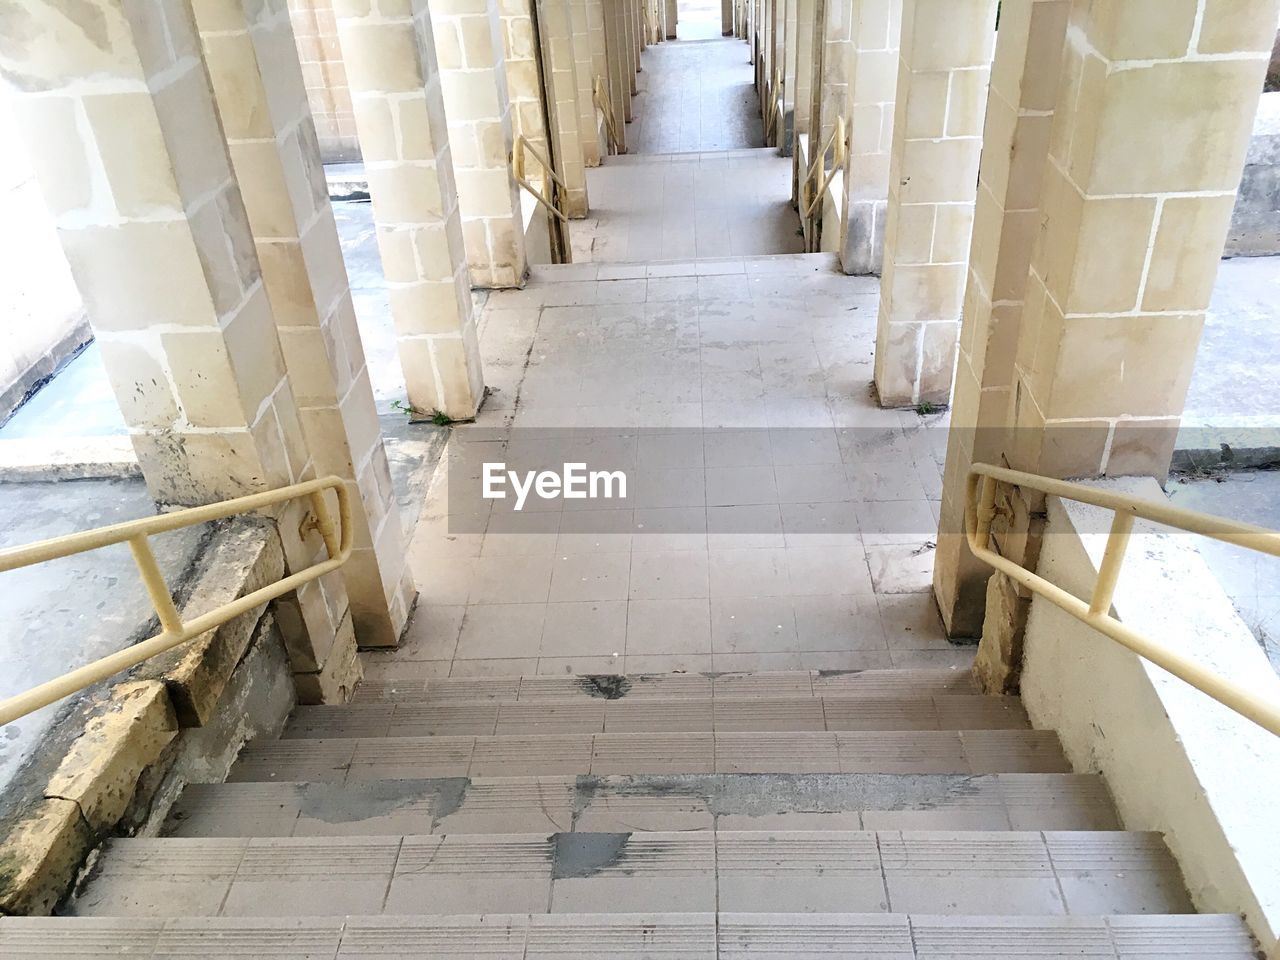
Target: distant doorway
[[697, 19]]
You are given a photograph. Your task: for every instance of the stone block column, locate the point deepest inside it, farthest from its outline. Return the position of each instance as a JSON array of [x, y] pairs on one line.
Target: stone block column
[[1137, 200], [395, 85], [524, 83], [726, 18], [944, 65], [802, 91], [615, 39], [588, 130], [832, 36], [565, 119], [1135, 208], [870, 106], [1020, 108], [596, 41], [262, 100], [671, 18], [473, 81], [115, 105]]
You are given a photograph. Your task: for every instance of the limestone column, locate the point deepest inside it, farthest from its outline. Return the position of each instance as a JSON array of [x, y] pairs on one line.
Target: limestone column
[[1131, 236], [805, 14], [672, 15], [615, 38], [115, 105], [1135, 209], [595, 36], [944, 66], [588, 129], [524, 84], [832, 36], [787, 60], [473, 82], [258, 86], [726, 18], [1020, 108], [870, 106], [556, 29], [395, 85]]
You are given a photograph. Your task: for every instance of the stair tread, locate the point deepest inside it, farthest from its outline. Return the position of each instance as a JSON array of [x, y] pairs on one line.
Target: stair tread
[[687, 802], [398, 758], [954, 872], [689, 936], [939, 711], [671, 686]]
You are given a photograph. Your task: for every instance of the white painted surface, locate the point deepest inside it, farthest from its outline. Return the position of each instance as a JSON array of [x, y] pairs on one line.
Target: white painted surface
[[39, 303], [1175, 760]]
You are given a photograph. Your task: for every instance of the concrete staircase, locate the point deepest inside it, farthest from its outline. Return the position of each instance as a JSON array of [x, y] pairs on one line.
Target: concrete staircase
[[881, 815]]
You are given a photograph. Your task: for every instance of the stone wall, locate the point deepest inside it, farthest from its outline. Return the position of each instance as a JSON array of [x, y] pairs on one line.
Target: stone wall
[[1255, 224]]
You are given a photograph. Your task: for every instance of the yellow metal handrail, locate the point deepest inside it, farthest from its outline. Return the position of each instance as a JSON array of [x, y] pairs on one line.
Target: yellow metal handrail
[[174, 630], [544, 196], [600, 97], [980, 510], [817, 167], [773, 112]]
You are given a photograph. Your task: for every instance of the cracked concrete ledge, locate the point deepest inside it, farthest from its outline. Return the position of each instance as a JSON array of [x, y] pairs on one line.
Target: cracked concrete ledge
[[117, 760], [68, 458]]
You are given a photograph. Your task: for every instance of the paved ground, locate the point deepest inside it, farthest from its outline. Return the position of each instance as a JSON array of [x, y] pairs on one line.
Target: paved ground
[[695, 96], [777, 520], [67, 612], [680, 206], [1238, 370], [1251, 579]]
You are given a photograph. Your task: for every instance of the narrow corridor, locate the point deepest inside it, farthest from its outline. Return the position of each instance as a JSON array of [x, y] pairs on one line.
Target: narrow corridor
[[696, 181]]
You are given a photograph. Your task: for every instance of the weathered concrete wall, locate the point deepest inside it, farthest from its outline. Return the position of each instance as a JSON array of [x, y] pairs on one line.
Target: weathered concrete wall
[[1175, 760], [1255, 224]]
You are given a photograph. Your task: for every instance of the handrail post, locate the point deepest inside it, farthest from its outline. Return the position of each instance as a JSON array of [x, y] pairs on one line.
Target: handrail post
[[1112, 560], [157, 589]]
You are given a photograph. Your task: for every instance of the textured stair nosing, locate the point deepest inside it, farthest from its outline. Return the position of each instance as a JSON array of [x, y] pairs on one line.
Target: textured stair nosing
[[671, 686], [801, 713], [958, 872], [695, 936], [602, 754], [690, 802]]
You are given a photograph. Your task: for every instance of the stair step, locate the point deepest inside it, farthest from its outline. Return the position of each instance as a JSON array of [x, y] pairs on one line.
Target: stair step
[[671, 686], [938, 712], [945, 872], [686, 936], [616, 804], [605, 754]]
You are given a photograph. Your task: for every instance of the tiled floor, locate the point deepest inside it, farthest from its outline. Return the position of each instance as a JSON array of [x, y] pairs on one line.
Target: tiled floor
[[776, 519], [728, 204], [695, 96]]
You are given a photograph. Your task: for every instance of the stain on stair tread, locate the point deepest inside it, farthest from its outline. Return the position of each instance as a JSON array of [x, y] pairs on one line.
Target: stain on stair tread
[[929, 712], [980, 854], [690, 936], [495, 805], [670, 686], [979, 751]]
